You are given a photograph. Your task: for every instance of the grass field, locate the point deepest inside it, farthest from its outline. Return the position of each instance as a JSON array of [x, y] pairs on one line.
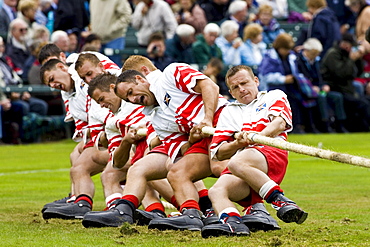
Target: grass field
[[335, 195]]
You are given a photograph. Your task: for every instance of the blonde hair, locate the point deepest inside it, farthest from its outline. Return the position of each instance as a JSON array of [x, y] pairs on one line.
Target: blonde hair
[[26, 5], [283, 40], [265, 8], [316, 4], [135, 62], [251, 31]]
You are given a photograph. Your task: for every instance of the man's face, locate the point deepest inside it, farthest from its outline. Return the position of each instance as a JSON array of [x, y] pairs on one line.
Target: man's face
[[63, 43], [59, 78], [136, 93], [20, 31], [243, 87], [89, 71], [11, 3], [107, 99]]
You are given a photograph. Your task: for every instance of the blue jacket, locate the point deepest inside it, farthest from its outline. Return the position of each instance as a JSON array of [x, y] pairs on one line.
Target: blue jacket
[[271, 31], [249, 57], [325, 27]]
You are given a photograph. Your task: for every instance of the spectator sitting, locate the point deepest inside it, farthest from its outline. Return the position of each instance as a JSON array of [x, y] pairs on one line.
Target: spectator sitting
[[280, 7], [8, 75], [238, 12], [151, 16], [41, 33], [179, 48], [205, 48], [230, 43], [93, 41], [17, 47], [271, 27], [308, 62], [255, 49], [27, 11], [338, 70], [33, 75], [74, 40], [278, 70], [156, 51], [191, 13], [60, 39]]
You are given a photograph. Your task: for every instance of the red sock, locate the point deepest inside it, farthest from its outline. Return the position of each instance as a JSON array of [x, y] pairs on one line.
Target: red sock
[[174, 203], [203, 193], [155, 206], [190, 204], [272, 191], [133, 199], [255, 197], [84, 198]]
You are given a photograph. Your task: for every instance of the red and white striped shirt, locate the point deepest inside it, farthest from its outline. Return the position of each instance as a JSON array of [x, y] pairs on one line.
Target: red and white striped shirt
[[253, 117], [180, 107]]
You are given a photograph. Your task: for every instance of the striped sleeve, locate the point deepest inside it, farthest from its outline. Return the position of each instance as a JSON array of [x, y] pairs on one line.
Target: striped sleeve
[[186, 77]]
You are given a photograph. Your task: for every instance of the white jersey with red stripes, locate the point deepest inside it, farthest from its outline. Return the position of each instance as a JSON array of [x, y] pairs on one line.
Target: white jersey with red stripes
[[128, 115], [253, 117], [180, 107], [78, 102]]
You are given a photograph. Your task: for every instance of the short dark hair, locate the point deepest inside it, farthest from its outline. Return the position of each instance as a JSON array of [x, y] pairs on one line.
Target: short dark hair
[[233, 70], [47, 51], [127, 76], [101, 82], [92, 37], [48, 66]]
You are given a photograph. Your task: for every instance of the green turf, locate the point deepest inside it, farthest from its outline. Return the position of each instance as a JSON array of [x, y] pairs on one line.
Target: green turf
[[335, 195]]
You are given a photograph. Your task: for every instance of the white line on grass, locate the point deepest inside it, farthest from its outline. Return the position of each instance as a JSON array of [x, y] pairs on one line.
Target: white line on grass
[[34, 171]]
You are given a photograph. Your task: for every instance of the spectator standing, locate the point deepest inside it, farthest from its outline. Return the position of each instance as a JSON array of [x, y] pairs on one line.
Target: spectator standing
[[324, 25], [179, 48], [215, 10], [339, 69], [71, 14], [271, 27], [297, 11], [8, 13], [346, 18], [110, 19], [151, 16], [192, 14], [205, 48]]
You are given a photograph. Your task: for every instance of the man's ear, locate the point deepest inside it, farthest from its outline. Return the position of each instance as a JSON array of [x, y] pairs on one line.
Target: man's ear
[[62, 57], [61, 66], [231, 94], [112, 86], [100, 65], [145, 70]]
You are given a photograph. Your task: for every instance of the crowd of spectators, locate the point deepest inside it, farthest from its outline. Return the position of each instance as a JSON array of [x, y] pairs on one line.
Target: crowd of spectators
[[321, 72]]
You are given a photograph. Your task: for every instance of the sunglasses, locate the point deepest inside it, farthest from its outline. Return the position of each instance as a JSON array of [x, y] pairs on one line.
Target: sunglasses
[[23, 29]]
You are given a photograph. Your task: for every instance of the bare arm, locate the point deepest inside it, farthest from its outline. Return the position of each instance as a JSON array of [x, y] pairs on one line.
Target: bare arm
[[227, 150]]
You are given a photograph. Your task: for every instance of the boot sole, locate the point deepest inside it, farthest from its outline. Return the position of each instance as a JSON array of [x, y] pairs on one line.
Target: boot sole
[[163, 227], [217, 232], [292, 215], [260, 226], [95, 224], [51, 215]]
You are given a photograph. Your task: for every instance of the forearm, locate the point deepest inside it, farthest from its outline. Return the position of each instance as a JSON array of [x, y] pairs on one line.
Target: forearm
[[228, 149], [122, 154]]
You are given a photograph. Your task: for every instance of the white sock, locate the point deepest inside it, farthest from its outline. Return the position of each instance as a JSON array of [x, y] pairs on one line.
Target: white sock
[[266, 188], [228, 211], [109, 199]]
